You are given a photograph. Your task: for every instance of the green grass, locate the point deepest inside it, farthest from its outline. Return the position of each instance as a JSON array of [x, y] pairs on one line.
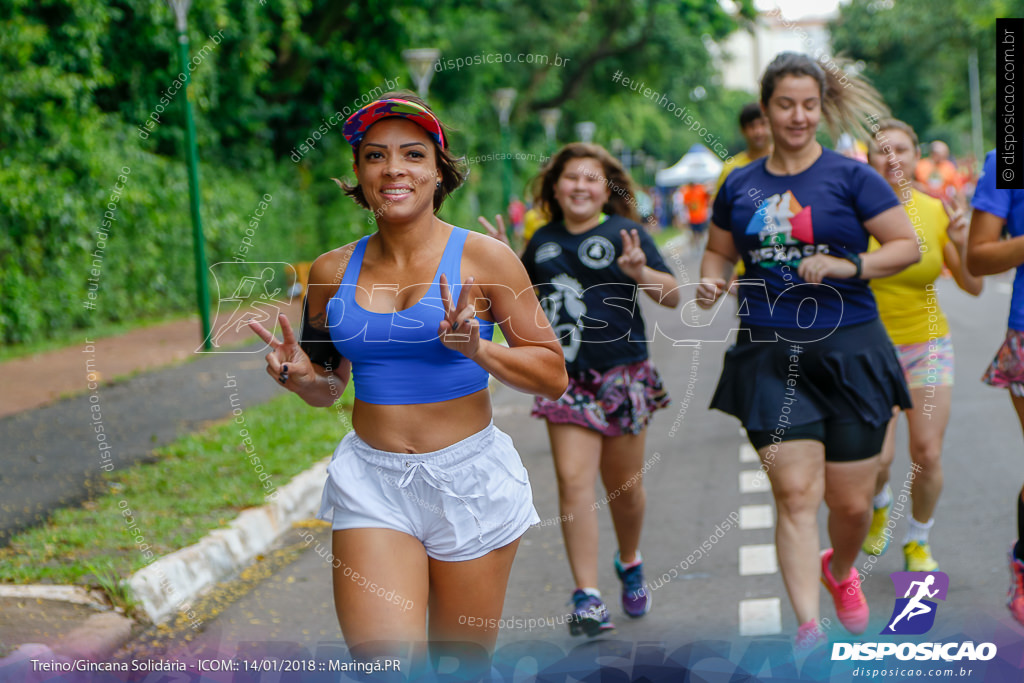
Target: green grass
[[196, 484]]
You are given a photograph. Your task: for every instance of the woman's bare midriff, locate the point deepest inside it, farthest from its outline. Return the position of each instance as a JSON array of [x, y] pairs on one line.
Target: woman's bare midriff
[[421, 427]]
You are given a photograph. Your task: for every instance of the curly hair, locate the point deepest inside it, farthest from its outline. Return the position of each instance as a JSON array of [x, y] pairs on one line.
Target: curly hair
[[622, 197]]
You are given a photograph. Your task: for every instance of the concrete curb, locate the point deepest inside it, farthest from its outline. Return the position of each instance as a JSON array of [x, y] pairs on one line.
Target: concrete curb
[[95, 639], [172, 582], [78, 595]]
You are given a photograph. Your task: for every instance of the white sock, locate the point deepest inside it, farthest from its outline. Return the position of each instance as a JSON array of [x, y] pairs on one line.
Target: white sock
[[592, 591], [884, 498], [916, 531]]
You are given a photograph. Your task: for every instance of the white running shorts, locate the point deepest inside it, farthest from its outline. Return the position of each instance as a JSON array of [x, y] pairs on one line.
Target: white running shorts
[[461, 502]]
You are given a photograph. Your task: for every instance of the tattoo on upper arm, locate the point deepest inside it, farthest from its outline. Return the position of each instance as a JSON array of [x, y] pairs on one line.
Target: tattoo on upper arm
[[319, 321]]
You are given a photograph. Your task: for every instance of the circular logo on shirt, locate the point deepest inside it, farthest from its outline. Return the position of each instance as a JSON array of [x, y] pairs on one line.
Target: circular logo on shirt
[[596, 252], [547, 251]]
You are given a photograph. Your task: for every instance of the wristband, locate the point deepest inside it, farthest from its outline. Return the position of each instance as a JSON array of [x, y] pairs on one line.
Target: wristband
[[855, 260], [317, 344]]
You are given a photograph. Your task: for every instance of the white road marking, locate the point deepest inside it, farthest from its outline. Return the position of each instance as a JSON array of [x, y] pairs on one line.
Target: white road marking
[[754, 481], [758, 559], [760, 617], [756, 517]]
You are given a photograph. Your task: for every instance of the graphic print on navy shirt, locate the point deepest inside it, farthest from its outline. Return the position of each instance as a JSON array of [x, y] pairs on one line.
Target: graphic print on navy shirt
[[591, 304], [778, 221], [785, 231]]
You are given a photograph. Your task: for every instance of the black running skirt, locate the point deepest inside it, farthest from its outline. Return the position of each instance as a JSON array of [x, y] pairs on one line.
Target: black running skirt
[[853, 374]]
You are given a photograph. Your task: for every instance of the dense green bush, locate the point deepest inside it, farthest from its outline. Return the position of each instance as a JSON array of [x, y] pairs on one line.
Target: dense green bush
[[59, 227], [81, 76]]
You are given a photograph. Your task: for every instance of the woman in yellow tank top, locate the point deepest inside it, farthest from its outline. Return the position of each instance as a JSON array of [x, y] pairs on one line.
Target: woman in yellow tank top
[[910, 312]]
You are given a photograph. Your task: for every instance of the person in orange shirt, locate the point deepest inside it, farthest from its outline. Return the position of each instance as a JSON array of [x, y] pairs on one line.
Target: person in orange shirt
[[939, 175], [696, 198]]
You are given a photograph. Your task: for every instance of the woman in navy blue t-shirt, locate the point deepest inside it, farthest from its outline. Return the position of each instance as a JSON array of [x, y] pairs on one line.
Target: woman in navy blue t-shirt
[[813, 375]]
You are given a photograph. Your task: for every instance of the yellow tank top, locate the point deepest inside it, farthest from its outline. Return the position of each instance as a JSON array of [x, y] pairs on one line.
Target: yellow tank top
[[907, 302]]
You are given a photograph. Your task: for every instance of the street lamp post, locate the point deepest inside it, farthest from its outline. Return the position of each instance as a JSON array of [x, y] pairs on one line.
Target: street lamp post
[[639, 157], [585, 130], [651, 166], [976, 139], [503, 100], [180, 8], [421, 63], [549, 119]]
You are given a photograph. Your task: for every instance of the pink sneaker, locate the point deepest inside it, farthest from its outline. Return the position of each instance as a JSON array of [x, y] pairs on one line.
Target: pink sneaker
[[851, 605], [809, 636], [1015, 596]]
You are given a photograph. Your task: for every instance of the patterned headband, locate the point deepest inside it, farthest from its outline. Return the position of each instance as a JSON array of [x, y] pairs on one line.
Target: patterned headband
[[357, 124]]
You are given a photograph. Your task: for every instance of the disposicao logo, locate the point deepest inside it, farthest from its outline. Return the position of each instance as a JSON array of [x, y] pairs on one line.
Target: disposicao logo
[[914, 613]]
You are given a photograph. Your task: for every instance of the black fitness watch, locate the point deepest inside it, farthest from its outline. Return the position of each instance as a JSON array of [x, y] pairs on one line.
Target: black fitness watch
[[854, 258]]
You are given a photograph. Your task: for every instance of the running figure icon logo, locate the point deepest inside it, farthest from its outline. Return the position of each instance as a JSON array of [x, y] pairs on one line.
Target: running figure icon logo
[[256, 293], [914, 613]]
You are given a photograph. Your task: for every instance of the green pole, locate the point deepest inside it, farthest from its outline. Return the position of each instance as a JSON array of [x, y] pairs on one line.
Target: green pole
[[198, 242], [506, 176]]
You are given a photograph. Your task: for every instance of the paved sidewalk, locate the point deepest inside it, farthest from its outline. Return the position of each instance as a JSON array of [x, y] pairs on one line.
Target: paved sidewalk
[[40, 379]]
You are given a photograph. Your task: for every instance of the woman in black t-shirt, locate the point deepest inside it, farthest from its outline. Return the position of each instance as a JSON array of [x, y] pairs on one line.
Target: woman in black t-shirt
[[588, 265]]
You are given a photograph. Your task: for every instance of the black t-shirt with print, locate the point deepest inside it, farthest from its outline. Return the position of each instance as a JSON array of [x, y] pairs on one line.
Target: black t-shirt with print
[[592, 305]]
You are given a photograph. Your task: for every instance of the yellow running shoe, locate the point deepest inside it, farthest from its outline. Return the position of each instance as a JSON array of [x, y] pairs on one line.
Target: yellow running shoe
[[919, 557], [878, 540]]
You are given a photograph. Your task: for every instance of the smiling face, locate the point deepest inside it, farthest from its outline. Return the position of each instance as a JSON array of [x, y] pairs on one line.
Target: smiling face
[[581, 190], [794, 111], [895, 156], [397, 170]]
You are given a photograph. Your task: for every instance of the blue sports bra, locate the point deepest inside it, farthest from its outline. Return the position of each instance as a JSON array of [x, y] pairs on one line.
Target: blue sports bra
[[397, 358]]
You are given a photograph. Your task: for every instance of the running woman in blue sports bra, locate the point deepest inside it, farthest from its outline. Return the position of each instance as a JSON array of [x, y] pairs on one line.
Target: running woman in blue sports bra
[[427, 498]]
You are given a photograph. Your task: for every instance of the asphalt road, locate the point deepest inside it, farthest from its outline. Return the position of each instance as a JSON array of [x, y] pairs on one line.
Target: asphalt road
[[52, 456], [701, 618]]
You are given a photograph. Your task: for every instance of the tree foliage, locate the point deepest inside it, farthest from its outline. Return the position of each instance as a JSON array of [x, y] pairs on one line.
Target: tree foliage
[[82, 77], [916, 53]]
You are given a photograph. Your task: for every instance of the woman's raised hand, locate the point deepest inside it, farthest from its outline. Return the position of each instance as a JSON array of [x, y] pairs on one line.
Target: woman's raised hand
[[459, 329], [497, 233], [957, 228], [633, 258], [287, 363]]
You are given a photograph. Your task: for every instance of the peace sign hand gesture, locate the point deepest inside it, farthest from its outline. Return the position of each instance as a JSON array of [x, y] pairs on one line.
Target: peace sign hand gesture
[[497, 233], [957, 228], [287, 363], [633, 258], [459, 329]]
